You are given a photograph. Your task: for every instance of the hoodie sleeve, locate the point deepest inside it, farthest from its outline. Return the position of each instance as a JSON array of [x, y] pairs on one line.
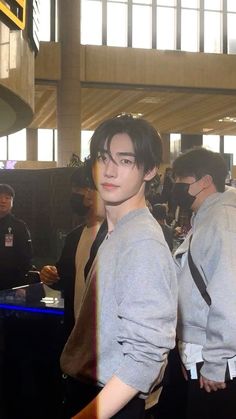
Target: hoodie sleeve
[[147, 304], [220, 271]]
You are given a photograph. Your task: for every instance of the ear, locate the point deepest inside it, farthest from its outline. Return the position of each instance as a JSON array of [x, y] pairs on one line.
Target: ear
[[150, 174], [207, 181]]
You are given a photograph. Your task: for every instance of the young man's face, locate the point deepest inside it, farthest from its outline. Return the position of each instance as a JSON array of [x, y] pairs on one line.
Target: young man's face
[[116, 174], [6, 202]]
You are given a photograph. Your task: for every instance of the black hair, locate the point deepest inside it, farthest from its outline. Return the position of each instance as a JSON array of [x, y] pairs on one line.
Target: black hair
[[198, 162], [82, 176], [146, 140], [159, 211], [7, 190]]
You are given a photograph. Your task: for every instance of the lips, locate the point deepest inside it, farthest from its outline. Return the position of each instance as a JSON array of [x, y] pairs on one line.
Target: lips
[[109, 186]]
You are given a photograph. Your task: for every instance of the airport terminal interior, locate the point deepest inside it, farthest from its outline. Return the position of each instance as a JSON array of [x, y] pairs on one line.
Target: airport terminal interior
[[66, 66]]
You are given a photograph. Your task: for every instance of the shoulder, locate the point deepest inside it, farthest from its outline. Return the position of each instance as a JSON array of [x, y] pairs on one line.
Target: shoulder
[[17, 222], [140, 232]]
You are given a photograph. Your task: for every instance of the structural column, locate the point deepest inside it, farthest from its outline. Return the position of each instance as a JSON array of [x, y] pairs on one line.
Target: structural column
[[69, 89], [31, 144]]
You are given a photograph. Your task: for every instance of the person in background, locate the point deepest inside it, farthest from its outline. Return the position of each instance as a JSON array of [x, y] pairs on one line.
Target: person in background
[[15, 243], [69, 273], [117, 350], [159, 212], [206, 270]]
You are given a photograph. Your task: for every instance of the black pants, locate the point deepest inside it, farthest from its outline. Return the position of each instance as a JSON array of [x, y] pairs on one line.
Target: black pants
[[78, 395], [220, 404]]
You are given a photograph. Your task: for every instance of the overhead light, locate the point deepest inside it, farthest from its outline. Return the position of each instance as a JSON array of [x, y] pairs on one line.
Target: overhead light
[[228, 119], [150, 99], [207, 129], [133, 114]]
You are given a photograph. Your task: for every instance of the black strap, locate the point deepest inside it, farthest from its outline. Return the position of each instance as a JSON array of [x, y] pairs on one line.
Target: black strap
[[102, 232], [199, 282]]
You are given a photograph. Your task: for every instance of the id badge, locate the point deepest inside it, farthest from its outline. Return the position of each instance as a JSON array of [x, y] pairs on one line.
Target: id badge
[[232, 367], [9, 238]]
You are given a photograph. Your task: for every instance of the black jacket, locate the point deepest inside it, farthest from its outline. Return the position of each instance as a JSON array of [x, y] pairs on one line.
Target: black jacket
[[16, 255]]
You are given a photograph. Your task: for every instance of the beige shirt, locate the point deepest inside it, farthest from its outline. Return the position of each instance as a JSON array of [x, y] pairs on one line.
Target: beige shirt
[[82, 255]]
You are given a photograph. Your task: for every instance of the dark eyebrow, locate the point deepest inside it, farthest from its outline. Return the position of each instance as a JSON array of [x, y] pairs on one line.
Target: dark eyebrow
[[126, 153]]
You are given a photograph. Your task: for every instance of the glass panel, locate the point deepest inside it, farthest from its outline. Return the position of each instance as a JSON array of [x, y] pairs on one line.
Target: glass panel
[[85, 143], [91, 22], [17, 145], [45, 144], [117, 24], [3, 148], [142, 1], [166, 2], [212, 32], [142, 27], [190, 4], [230, 146], [55, 145], [213, 4], [231, 6], [45, 21], [211, 142], [189, 30], [166, 28], [231, 24]]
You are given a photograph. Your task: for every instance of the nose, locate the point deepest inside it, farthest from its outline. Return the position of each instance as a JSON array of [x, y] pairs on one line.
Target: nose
[[110, 168]]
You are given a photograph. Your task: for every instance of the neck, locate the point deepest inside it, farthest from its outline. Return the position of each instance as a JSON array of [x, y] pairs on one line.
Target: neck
[[115, 212], [202, 196]]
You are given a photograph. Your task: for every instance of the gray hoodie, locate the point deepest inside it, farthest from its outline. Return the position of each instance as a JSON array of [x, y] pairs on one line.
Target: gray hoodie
[[213, 248], [127, 320]]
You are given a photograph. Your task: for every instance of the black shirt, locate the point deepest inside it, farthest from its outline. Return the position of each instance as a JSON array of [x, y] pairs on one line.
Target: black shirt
[[15, 252]]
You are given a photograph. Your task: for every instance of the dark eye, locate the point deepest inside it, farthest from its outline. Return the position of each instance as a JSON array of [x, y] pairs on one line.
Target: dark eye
[[102, 158], [127, 162]]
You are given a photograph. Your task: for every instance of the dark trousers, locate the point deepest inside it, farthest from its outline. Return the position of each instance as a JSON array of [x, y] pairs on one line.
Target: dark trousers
[[220, 404], [78, 395]]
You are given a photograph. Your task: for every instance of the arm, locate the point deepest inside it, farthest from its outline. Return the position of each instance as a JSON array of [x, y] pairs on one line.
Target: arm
[[113, 397], [220, 270], [24, 248]]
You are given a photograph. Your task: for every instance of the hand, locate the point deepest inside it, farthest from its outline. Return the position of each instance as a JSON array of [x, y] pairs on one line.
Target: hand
[[49, 275], [184, 372], [210, 385]]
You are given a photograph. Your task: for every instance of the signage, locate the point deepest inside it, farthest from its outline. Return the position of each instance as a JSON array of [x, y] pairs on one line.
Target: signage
[[13, 13]]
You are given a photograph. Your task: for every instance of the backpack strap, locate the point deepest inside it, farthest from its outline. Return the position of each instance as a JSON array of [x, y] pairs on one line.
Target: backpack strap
[[197, 277]]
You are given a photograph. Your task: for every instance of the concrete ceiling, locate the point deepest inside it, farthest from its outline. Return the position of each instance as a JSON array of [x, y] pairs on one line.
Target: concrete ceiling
[[195, 111]]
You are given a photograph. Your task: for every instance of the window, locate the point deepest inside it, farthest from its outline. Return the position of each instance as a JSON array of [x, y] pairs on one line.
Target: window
[[211, 142], [190, 30], [45, 21], [91, 23], [231, 24], [117, 27], [17, 145], [230, 146], [213, 26], [85, 143], [3, 148], [142, 26], [46, 144], [166, 27]]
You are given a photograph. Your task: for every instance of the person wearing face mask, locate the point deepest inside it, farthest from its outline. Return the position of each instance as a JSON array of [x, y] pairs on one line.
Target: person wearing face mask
[[206, 270], [70, 271]]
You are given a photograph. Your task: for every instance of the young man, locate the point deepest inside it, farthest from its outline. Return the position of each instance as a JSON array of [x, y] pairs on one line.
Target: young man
[[126, 324], [15, 243], [71, 268], [207, 299]]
